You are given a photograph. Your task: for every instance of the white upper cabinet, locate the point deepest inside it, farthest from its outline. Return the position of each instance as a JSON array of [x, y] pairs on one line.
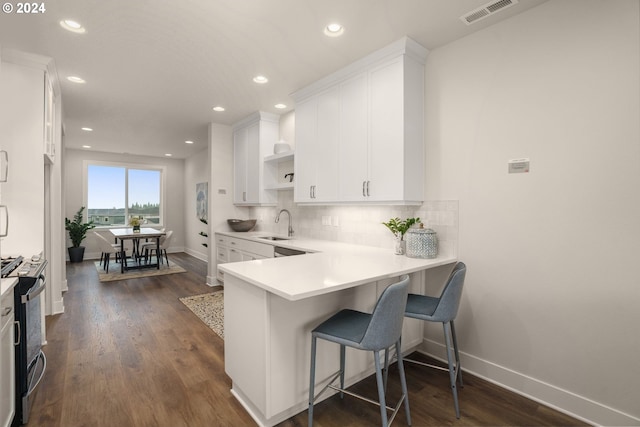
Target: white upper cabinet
[[49, 119], [360, 132], [317, 142], [353, 150], [253, 139]]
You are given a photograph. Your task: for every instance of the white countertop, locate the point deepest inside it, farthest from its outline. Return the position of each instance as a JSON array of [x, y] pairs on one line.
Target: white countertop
[[334, 266], [7, 284]]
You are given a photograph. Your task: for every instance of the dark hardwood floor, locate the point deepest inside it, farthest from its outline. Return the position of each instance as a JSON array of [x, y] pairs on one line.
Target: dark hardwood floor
[[129, 353]]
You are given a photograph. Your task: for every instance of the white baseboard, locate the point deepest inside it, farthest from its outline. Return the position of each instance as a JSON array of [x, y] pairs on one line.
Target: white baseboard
[[212, 281], [58, 306], [196, 254], [564, 401]]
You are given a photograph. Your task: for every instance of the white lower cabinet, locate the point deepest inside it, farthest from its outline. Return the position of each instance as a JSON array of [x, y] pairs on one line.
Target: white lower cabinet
[[268, 341], [232, 249], [7, 361]]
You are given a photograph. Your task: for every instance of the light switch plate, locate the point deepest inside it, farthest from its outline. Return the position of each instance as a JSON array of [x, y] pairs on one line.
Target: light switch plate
[[519, 166]]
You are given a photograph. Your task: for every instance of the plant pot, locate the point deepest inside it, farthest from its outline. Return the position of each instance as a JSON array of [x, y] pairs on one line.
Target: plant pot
[[76, 254], [136, 228]]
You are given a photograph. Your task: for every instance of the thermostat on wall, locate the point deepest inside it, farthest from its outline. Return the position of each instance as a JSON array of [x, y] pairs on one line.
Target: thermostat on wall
[[519, 166]]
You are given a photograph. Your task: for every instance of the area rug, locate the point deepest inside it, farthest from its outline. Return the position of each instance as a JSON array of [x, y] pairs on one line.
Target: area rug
[[114, 272], [209, 308]]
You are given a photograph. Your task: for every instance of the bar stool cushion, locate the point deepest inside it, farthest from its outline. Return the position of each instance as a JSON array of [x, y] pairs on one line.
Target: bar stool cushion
[[346, 327]]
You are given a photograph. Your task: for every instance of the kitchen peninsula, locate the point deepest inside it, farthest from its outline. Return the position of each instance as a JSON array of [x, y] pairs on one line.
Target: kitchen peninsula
[[271, 305]]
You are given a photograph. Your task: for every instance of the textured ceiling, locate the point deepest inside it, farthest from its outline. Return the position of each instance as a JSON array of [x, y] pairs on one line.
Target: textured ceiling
[[154, 69]]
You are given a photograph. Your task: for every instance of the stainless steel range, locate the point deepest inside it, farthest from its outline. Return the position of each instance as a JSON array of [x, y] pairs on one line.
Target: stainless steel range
[[31, 362]]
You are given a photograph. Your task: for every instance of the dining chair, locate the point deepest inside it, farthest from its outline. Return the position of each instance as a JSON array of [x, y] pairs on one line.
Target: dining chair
[[107, 249], [443, 309], [149, 247], [370, 332]]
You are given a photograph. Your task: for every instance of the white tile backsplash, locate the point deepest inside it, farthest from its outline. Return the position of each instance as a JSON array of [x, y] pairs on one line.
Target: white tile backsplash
[[361, 224]]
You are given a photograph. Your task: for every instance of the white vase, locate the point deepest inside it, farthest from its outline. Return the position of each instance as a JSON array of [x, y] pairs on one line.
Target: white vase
[[399, 245]]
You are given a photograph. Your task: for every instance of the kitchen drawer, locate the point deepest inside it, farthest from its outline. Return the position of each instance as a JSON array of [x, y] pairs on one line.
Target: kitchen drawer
[[222, 240], [222, 255], [6, 309], [264, 250]]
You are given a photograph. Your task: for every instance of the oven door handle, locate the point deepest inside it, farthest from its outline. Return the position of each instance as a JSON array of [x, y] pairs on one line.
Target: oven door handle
[[31, 295], [32, 386]]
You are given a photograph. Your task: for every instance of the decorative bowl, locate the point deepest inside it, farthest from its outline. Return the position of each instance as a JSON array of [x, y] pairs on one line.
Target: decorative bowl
[[241, 224]]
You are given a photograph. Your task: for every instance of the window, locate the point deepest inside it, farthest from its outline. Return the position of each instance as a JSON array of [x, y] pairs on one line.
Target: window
[[115, 193]]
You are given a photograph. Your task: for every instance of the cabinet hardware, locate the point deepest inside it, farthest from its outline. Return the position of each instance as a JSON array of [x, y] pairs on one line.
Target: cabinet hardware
[[363, 185], [6, 311], [5, 233], [17, 325], [368, 189], [5, 166]]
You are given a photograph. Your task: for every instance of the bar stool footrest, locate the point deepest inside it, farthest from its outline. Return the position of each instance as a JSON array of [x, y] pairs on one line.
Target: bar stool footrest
[[394, 411]]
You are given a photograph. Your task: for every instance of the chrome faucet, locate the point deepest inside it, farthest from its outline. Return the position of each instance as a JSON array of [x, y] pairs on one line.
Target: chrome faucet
[[290, 229]]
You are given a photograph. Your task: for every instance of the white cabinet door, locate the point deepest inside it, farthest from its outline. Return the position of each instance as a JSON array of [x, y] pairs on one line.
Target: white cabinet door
[[327, 145], [49, 119], [253, 139], [386, 139], [235, 255], [240, 147], [353, 148], [305, 165], [254, 158], [7, 362], [317, 143]]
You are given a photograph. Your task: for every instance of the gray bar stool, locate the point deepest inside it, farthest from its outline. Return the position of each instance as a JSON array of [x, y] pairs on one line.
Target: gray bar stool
[[372, 332], [443, 309]]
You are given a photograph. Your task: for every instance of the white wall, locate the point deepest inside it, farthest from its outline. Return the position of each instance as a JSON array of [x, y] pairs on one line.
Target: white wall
[[221, 205], [174, 182], [551, 299], [196, 170]]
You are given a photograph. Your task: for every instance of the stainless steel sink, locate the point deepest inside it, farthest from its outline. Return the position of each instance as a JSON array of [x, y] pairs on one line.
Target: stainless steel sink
[[274, 238]]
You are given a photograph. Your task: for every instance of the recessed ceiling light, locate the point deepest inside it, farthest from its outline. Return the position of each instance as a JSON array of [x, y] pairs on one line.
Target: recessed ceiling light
[[188, 142], [260, 79], [168, 154], [76, 79], [87, 129], [218, 108], [72, 26], [334, 30], [86, 146], [280, 106]]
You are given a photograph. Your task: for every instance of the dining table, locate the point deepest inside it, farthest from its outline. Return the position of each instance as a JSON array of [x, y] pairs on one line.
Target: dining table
[[122, 234]]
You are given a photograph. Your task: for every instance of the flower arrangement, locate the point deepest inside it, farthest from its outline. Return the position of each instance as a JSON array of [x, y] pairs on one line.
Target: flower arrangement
[[135, 221], [400, 226]]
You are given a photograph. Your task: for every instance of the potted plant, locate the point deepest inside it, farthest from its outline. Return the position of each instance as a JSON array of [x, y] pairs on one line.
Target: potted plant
[[399, 227], [77, 232]]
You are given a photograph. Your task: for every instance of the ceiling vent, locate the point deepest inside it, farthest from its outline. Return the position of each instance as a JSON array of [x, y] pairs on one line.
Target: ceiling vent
[[486, 10]]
